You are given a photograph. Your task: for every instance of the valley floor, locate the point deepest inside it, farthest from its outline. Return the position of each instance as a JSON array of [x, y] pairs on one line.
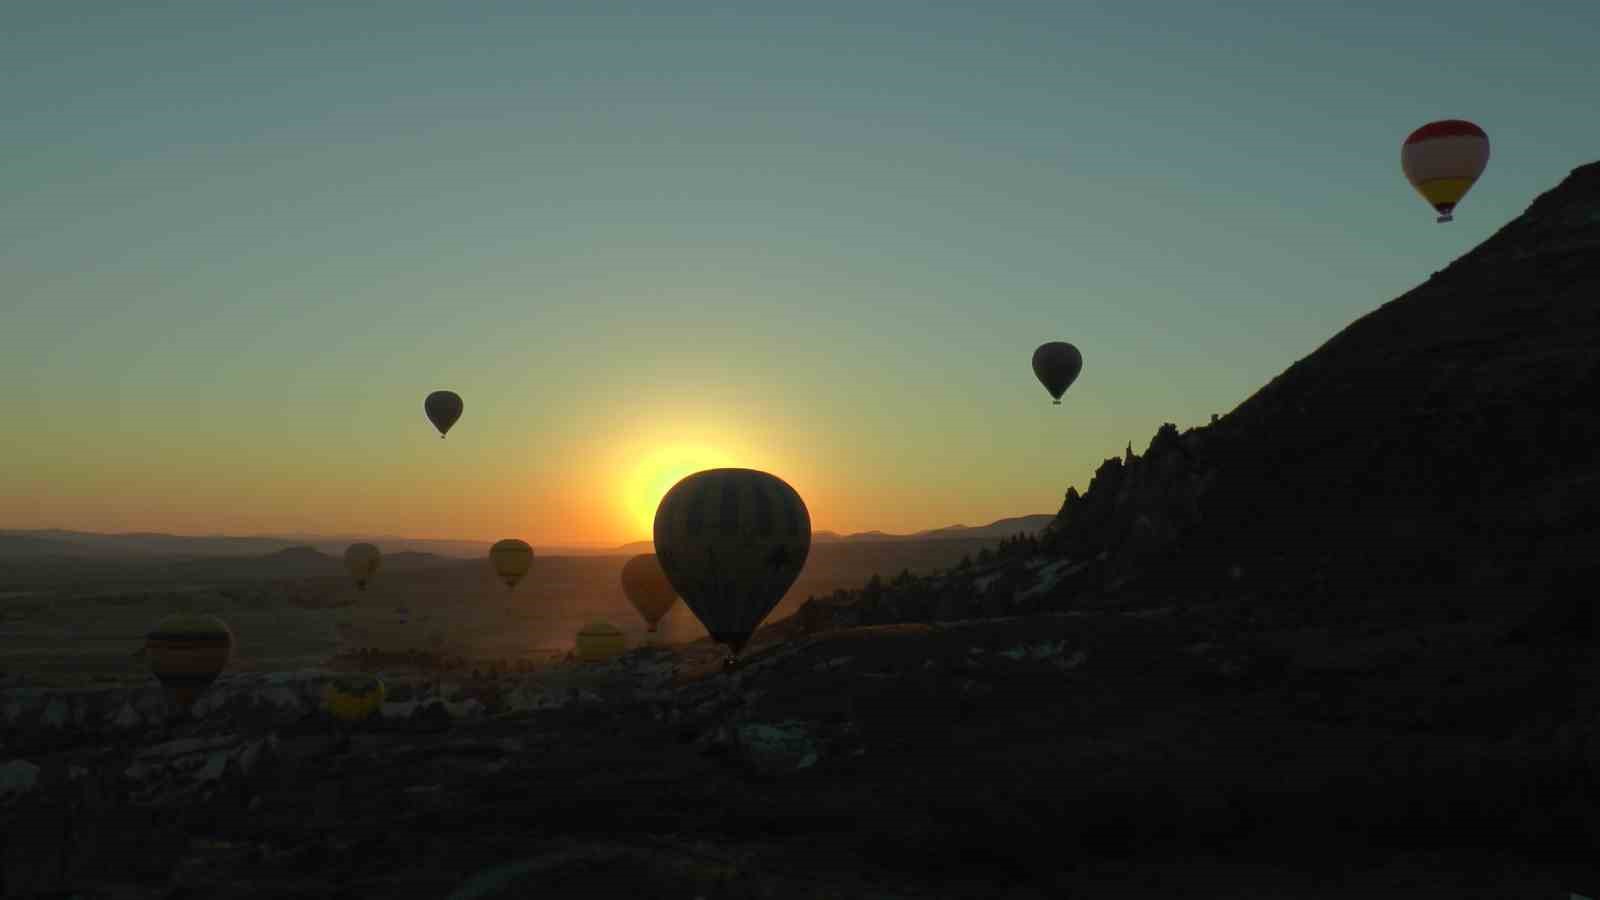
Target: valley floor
[[1093, 754]]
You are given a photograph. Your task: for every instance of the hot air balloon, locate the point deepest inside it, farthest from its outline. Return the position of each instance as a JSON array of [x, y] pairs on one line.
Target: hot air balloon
[[443, 409], [1442, 160], [187, 653], [1057, 365], [511, 559], [362, 561], [647, 588], [352, 698], [599, 641], [732, 542]]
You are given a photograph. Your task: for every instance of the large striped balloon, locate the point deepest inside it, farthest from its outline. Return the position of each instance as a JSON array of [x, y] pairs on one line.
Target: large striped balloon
[[187, 653], [732, 542], [1442, 160]]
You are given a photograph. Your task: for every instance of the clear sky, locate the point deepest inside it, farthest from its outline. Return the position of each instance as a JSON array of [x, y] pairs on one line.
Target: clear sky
[[240, 241]]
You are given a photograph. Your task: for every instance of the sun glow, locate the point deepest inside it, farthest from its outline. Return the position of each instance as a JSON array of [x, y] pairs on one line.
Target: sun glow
[[658, 470]]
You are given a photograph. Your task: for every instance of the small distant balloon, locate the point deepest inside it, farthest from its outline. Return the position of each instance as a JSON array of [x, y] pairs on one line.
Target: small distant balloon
[[599, 641], [362, 561], [353, 698], [511, 559], [1056, 365], [1443, 160], [647, 588], [732, 542], [443, 409], [187, 653]]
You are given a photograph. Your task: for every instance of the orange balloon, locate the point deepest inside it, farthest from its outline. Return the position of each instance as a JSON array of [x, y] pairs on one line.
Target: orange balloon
[[647, 588], [187, 653]]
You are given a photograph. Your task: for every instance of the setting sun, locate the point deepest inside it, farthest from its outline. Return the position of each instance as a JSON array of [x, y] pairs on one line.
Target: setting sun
[[657, 471]]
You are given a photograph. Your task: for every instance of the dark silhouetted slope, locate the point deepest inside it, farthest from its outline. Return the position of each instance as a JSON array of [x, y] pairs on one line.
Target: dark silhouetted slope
[[1435, 458]]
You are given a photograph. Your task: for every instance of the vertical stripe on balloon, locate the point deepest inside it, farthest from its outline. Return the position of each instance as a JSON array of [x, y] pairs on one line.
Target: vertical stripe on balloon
[[695, 516], [791, 511], [763, 524], [728, 525]]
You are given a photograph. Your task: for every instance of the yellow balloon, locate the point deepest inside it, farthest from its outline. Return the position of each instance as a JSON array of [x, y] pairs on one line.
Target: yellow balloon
[[511, 559], [362, 560], [352, 698], [599, 641]]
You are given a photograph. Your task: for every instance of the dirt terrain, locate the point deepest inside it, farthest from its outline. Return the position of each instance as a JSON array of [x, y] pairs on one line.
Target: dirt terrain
[[1102, 754]]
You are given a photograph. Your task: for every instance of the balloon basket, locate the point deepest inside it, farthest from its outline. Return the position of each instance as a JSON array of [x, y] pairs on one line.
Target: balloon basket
[[1445, 218], [1055, 402]]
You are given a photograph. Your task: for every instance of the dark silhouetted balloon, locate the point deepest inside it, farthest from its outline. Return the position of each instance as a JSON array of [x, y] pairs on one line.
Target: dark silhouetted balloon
[[647, 588], [1442, 160], [362, 560], [187, 653], [732, 542], [511, 559], [443, 409], [1057, 365]]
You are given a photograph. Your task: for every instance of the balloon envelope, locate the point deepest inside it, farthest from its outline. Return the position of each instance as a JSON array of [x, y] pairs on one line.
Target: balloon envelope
[[600, 641], [1442, 160], [1057, 365], [187, 653], [647, 588], [732, 542], [362, 561], [443, 409], [351, 698], [511, 559]]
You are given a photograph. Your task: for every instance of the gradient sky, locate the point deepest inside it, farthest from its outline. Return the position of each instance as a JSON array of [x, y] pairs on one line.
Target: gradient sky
[[239, 242]]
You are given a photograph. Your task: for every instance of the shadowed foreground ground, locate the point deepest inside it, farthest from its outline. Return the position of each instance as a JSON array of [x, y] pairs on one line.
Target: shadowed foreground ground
[[1094, 754]]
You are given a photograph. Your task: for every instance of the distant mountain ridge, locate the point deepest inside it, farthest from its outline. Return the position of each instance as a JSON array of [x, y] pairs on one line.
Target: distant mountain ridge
[[1000, 528], [25, 543], [298, 549]]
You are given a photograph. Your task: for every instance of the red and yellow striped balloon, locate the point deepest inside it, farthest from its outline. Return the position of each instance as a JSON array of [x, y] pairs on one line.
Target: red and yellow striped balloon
[[187, 653], [1442, 160]]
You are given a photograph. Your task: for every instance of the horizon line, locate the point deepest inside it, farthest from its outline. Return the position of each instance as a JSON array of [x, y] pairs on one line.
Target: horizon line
[[574, 545]]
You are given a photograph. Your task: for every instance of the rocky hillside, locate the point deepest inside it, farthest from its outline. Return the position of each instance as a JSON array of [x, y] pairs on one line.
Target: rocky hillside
[[1435, 460]]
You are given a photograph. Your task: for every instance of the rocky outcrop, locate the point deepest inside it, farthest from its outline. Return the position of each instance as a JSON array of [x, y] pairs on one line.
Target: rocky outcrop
[[1433, 461], [44, 720]]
